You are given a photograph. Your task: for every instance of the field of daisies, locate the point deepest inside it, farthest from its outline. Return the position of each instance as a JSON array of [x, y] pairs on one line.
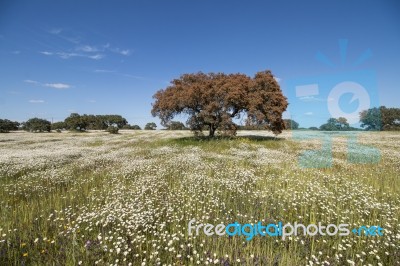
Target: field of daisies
[[126, 199]]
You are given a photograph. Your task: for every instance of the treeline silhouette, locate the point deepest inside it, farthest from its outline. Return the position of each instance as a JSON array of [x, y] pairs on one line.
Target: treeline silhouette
[[377, 118]]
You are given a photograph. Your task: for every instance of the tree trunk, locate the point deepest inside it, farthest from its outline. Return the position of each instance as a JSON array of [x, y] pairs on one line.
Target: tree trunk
[[212, 131]]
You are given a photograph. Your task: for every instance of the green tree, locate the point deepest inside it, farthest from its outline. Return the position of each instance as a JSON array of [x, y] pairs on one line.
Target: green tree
[[37, 125], [76, 122], [390, 118], [58, 125], [94, 122], [7, 125], [134, 127], [175, 125], [335, 124], [342, 123], [114, 120], [150, 126], [381, 118], [371, 119]]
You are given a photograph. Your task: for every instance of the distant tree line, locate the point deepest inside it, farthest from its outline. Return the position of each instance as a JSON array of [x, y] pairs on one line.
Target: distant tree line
[[75, 122], [377, 118]]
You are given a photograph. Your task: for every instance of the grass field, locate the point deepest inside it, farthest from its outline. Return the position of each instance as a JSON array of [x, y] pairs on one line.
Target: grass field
[[126, 199]]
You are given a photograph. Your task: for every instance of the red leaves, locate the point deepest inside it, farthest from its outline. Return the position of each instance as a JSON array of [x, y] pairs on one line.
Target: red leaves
[[212, 100]]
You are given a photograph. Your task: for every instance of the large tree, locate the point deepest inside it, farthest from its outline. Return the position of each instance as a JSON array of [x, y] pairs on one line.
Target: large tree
[[96, 122], [37, 125], [381, 118], [7, 125], [76, 122], [175, 125], [150, 126], [58, 125], [214, 100], [336, 124]]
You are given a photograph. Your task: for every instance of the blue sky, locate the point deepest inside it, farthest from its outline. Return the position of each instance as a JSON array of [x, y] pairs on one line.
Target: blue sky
[[102, 57]]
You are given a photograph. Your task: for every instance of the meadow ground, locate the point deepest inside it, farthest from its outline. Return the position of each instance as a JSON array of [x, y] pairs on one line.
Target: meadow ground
[[126, 199]]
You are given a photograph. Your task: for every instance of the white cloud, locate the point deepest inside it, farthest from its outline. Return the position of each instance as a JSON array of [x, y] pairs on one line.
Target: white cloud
[[103, 48], [64, 55], [277, 79], [16, 52], [36, 101], [87, 49], [96, 57], [309, 113], [59, 86], [104, 71], [125, 52], [92, 101], [117, 50], [67, 55], [31, 81], [55, 31], [46, 53], [95, 52], [311, 99]]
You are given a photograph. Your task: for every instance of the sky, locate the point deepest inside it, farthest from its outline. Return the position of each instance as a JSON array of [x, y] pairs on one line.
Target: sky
[[110, 57]]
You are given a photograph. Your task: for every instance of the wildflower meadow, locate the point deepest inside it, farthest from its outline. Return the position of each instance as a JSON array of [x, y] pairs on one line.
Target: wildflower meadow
[[126, 199]]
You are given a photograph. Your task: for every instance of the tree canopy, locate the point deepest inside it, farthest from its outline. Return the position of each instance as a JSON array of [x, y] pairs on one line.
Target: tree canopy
[[176, 125], [134, 127], [96, 122], [7, 125], [381, 118], [37, 125], [150, 126], [335, 124], [213, 100]]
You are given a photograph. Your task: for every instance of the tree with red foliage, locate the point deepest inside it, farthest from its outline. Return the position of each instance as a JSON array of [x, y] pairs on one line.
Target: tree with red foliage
[[213, 100]]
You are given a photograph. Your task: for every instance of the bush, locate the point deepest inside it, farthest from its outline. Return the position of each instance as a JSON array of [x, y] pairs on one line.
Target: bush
[[112, 130]]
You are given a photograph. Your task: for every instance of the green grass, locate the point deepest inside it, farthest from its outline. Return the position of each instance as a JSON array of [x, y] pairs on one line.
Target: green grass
[[143, 189]]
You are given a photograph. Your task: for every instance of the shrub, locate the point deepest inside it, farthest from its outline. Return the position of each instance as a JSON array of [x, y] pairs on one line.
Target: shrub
[[112, 130]]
